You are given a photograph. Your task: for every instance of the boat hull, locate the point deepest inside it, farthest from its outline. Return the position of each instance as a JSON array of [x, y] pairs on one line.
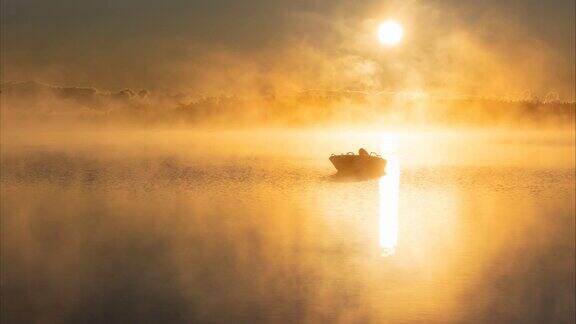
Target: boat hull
[[358, 165]]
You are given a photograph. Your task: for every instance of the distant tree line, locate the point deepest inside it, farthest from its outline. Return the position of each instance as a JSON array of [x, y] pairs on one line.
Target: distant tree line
[[307, 107]]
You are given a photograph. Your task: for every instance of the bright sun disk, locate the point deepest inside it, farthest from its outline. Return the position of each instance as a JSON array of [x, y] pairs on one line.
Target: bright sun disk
[[390, 33]]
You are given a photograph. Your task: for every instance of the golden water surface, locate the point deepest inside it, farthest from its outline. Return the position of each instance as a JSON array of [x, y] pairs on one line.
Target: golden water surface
[[252, 226]]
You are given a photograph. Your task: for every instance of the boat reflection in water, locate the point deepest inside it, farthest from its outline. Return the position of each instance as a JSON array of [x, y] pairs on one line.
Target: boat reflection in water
[[388, 191]]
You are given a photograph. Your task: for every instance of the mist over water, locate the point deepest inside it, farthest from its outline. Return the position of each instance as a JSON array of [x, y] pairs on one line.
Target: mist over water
[[167, 161], [191, 225]]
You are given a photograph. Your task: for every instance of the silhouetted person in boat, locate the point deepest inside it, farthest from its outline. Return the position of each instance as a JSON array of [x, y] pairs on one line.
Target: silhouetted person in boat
[[363, 152]]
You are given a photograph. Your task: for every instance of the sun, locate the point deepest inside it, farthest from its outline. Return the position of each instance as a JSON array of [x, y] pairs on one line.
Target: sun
[[390, 33]]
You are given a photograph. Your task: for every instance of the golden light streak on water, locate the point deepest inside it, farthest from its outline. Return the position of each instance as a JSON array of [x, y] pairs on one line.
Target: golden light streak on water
[[389, 192]]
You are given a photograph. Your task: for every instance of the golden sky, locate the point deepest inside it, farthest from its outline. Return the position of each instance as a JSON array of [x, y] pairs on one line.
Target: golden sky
[[509, 48]]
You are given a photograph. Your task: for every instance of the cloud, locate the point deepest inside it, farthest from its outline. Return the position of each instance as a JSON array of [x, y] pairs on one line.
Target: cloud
[[243, 47]]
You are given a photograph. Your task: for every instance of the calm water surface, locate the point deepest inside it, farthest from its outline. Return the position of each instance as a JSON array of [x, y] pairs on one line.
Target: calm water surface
[[252, 226]]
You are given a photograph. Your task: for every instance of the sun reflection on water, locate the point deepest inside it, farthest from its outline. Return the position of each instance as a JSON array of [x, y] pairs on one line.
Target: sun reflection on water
[[388, 191]]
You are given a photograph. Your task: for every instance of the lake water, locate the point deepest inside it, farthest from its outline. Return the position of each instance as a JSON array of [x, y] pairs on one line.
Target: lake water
[[467, 226]]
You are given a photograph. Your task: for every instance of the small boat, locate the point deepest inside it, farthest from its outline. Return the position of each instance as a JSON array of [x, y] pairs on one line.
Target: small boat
[[362, 164]]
